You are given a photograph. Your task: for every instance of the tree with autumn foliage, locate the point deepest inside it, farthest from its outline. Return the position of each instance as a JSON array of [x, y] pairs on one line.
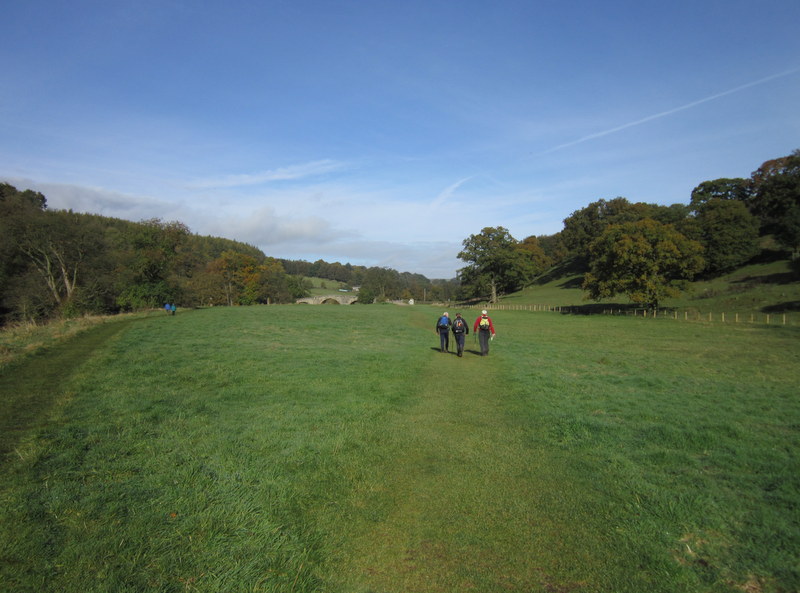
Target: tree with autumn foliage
[[237, 278], [645, 260]]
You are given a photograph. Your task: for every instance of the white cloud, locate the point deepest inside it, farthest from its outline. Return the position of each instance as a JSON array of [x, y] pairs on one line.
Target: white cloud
[[95, 200], [433, 259], [346, 229], [264, 228]]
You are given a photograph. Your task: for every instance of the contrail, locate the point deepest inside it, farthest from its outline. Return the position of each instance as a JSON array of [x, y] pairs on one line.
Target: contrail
[[289, 173], [671, 111], [448, 192]]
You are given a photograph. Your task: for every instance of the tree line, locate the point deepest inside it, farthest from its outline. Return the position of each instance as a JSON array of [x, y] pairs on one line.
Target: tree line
[[647, 251], [61, 263], [375, 284]]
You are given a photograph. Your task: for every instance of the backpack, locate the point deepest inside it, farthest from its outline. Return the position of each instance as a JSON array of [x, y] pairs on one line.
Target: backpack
[[458, 325], [484, 323], [444, 322]]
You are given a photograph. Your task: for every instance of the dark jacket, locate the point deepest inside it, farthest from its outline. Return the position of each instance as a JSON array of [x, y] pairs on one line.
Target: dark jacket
[[464, 326]]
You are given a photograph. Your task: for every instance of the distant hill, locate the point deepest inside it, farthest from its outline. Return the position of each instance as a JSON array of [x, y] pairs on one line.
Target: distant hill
[[323, 286]]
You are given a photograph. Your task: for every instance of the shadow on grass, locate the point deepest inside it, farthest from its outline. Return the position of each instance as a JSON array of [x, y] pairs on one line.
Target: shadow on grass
[[599, 308], [782, 307], [768, 256], [566, 269], [453, 352], [782, 278], [576, 282]]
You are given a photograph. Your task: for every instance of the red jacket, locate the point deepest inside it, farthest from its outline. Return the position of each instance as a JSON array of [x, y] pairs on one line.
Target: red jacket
[[478, 321]]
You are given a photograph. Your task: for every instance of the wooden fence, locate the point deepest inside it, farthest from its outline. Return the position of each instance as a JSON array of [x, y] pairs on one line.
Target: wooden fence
[[778, 318]]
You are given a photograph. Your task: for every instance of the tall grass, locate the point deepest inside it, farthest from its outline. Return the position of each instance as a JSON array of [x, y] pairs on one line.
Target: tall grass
[[22, 339], [333, 449]]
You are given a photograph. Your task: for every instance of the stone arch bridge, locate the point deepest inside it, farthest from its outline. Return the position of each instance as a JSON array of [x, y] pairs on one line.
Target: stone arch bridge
[[329, 299]]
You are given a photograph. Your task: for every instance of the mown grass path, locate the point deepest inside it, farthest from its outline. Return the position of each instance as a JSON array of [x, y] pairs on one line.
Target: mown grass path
[[30, 388], [438, 485], [461, 504]]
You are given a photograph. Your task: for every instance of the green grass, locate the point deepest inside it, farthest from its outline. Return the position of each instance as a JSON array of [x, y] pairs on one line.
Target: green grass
[[332, 449], [323, 286], [23, 339], [757, 289]]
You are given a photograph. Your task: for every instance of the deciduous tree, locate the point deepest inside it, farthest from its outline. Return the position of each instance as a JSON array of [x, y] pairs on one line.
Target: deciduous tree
[[18, 211], [495, 263], [145, 275], [645, 260], [728, 232], [58, 245], [737, 189], [585, 225], [776, 187], [380, 284], [534, 260]]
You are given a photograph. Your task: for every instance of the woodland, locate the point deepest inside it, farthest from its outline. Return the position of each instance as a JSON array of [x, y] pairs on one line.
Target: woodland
[[59, 263]]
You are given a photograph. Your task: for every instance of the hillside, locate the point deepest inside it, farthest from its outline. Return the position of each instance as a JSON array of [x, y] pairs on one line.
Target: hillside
[[769, 287], [323, 286]]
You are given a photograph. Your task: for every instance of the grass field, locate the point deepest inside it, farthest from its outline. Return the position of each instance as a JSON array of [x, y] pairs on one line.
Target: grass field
[[754, 289], [333, 449]]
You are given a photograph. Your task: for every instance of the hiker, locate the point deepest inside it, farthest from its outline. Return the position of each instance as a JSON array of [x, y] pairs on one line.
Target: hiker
[[485, 329], [166, 308], [443, 329], [173, 308], [460, 331]]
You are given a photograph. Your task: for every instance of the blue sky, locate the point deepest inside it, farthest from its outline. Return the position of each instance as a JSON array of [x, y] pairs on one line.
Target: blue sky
[[385, 133]]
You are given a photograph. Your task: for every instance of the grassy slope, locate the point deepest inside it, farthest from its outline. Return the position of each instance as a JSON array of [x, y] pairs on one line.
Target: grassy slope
[[763, 288], [322, 286], [313, 449]]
